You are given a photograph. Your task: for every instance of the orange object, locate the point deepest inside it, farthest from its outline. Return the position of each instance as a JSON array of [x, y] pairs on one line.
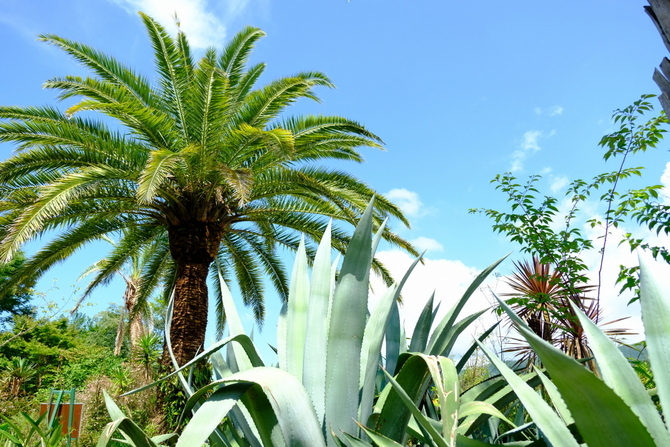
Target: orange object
[[63, 413]]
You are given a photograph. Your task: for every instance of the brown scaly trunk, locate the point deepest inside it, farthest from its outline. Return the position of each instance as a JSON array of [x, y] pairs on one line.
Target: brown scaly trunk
[[136, 327], [193, 247]]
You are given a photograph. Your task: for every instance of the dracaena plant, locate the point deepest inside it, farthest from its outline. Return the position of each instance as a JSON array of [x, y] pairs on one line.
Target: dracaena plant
[[614, 409], [541, 300], [330, 351]]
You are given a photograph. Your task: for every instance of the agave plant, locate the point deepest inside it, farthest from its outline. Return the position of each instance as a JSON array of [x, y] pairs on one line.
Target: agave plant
[[614, 409], [28, 432], [19, 371], [330, 355]]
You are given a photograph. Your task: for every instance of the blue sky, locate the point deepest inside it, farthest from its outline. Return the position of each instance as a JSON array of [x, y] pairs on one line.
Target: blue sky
[[459, 91]]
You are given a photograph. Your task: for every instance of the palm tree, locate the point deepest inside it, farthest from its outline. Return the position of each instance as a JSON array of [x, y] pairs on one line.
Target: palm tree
[[200, 160], [139, 287]]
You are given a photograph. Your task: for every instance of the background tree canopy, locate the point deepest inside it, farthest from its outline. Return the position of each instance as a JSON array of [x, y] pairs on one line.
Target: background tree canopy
[[15, 300]]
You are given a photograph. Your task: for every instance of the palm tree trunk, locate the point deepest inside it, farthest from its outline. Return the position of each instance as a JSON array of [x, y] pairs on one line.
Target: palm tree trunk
[[193, 247], [135, 325]]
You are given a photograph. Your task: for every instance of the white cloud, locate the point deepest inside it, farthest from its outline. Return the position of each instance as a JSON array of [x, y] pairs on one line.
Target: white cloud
[[529, 145], [551, 111], [202, 27], [448, 279], [558, 183], [665, 181], [408, 201], [427, 244], [529, 142]]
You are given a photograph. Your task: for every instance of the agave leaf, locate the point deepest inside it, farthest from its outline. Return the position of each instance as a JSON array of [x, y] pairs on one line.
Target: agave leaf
[[377, 238], [404, 394], [318, 322], [113, 409], [237, 358], [131, 432], [420, 433], [243, 340], [415, 373], [347, 326], [655, 302], [282, 334], [372, 341], [555, 397], [618, 374], [372, 344], [277, 402], [545, 418], [219, 366], [453, 332], [393, 336], [440, 337], [476, 408], [464, 359], [338, 442], [422, 328], [445, 379], [602, 417], [160, 438], [353, 441], [495, 391], [462, 441], [211, 413], [379, 439], [296, 317]]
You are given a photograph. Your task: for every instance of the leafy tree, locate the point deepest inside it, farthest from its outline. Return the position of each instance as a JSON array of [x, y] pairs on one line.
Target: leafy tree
[[15, 300], [61, 354], [202, 163], [535, 222]]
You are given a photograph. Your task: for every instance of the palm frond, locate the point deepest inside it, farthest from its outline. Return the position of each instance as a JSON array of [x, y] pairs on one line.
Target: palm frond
[[236, 54], [173, 67], [261, 106], [104, 66]]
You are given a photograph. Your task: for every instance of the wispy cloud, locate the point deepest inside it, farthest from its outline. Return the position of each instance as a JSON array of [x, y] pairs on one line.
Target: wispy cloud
[[197, 18], [558, 183], [665, 181], [427, 244], [448, 279], [550, 111], [407, 200], [529, 145]]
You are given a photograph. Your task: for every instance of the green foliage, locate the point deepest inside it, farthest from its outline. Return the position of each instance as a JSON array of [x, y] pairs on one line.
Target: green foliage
[[15, 301], [147, 353], [197, 146], [615, 408], [329, 348], [17, 373], [476, 371], [24, 431], [64, 355], [536, 224]]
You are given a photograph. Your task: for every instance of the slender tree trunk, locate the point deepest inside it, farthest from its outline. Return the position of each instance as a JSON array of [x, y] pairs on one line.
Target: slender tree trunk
[[193, 248], [135, 325], [120, 334]]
